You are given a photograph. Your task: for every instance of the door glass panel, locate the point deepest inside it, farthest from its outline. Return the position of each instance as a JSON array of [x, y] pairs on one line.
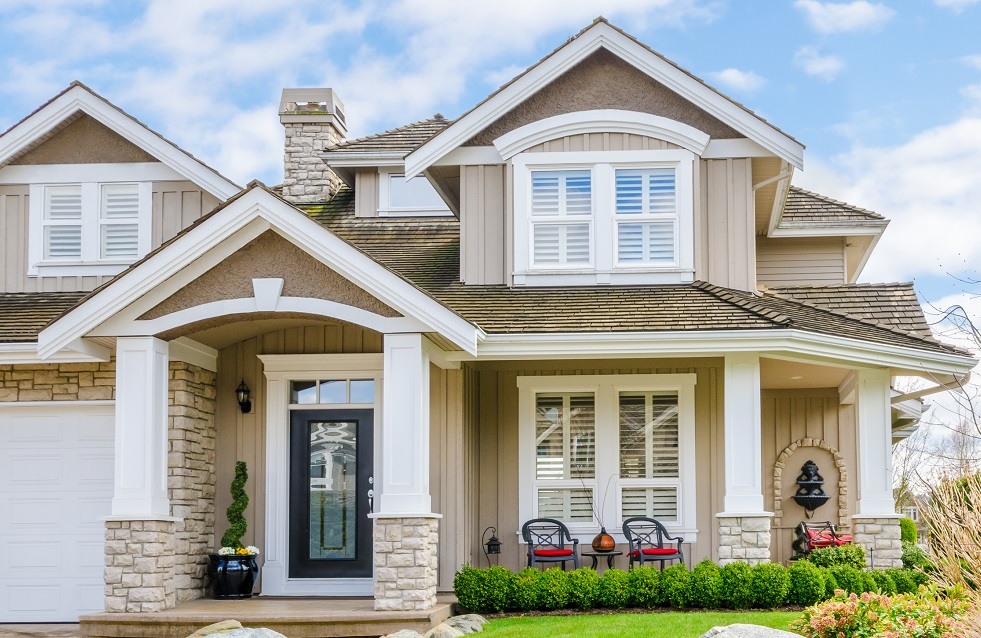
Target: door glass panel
[[363, 391], [333, 489], [333, 391], [303, 392]]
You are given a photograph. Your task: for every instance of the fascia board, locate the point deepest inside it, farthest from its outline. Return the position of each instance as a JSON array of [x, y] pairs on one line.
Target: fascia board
[[24, 353], [363, 160], [602, 35], [828, 231], [78, 99]]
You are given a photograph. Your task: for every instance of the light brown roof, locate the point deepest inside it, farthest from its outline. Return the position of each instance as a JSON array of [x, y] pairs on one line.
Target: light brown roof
[[403, 139], [24, 314], [806, 208]]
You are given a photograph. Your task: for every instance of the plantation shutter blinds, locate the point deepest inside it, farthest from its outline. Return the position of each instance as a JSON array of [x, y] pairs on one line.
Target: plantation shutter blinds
[[561, 212], [565, 456], [647, 215], [119, 228], [649, 454], [62, 222]]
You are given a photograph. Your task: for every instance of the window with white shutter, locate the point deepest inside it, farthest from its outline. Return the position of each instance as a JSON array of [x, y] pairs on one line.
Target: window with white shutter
[[119, 221], [561, 218], [649, 454], [62, 223], [646, 213], [565, 455]]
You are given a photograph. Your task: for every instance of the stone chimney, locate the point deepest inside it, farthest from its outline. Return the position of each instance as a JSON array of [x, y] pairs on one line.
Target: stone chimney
[[314, 121]]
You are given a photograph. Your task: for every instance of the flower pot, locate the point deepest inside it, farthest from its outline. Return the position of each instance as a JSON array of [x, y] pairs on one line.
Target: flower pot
[[604, 542], [232, 576]]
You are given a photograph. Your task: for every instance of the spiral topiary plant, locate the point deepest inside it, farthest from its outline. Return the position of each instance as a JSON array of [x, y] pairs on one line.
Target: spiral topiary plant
[[240, 500]]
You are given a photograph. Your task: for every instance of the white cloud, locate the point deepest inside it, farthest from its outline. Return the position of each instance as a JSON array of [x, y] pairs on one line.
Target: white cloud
[[827, 67], [838, 17], [973, 61], [957, 6], [737, 80]]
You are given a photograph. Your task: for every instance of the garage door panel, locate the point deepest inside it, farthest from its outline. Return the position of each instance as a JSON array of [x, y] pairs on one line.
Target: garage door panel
[[56, 480]]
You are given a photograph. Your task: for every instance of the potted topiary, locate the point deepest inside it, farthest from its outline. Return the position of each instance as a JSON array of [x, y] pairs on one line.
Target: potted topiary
[[234, 569]]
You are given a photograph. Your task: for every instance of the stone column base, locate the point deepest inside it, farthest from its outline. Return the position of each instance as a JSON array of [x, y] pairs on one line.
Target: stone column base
[[881, 539], [406, 551], [139, 566], [744, 538]]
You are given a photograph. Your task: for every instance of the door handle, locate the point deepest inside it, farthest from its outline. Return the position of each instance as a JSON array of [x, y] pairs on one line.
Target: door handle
[[371, 495]]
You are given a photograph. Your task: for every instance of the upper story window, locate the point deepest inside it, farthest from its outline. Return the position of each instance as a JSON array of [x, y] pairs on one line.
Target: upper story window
[[409, 197], [88, 227], [604, 217]]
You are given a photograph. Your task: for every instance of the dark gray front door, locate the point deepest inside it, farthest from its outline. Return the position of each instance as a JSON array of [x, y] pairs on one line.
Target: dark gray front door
[[330, 479]]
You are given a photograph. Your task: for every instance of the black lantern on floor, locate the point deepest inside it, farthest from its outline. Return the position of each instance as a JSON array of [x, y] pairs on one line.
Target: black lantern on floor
[[242, 393], [493, 544]]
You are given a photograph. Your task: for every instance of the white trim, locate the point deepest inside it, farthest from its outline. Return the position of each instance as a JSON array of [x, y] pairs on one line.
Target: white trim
[[735, 148], [47, 404], [602, 35], [279, 370], [363, 159], [259, 206], [26, 352], [79, 98], [606, 389], [601, 121], [874, 426], [470, 156], [74, 173], [385, 208], [742, 434], [195, 353], [828, 231]]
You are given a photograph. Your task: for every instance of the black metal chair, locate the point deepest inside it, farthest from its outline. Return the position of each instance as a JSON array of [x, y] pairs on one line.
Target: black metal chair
[[646, 538], [547, 542]]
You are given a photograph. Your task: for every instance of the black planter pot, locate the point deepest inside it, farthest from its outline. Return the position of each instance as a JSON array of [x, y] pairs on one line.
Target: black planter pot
[[232, 576]]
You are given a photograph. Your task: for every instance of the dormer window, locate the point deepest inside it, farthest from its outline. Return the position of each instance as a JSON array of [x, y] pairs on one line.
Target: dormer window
[[603, 217], [414, 197]]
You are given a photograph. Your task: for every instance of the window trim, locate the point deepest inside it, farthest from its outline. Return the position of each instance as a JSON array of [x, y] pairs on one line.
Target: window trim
[[604, 264], [385, 208], [606, 390], [91, 262]]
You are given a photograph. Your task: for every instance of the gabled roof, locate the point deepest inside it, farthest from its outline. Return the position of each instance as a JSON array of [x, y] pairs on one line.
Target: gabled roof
[[24, 314], [77, 99], [601, 34], [804, 207], [404, 139]]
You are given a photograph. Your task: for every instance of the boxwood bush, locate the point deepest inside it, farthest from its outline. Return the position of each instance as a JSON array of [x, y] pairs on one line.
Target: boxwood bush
[[485, 590], [849, 579], [583, 588], [907, 530], [769, 584], [553, 589], [525, 590], [676, 581], [736, 583], [646, 587], [883, 581], [614, 589], [851, 555], [706, 585], [806, 584]]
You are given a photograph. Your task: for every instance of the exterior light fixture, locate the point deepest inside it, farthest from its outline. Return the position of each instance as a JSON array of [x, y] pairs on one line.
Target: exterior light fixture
[[242, 393], [493, 544]]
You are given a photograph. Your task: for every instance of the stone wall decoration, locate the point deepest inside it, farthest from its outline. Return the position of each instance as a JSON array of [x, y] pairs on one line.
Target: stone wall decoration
[[810, 492], [839, 463]]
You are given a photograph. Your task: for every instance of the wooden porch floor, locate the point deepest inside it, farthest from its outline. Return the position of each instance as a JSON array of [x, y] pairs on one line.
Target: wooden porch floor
[[292, 617]]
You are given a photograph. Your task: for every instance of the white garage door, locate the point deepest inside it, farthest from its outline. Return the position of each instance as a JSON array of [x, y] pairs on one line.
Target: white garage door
[[56, 476]]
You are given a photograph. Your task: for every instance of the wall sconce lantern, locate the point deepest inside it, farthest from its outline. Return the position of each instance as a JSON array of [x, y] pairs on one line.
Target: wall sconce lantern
[[493, 544], [242, 393]]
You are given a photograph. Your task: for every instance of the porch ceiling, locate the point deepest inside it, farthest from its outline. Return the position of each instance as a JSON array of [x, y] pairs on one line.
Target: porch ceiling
[[222, 332], [777, 374]]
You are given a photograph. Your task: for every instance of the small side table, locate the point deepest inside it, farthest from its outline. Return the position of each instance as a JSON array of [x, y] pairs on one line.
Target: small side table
[[597, 555]]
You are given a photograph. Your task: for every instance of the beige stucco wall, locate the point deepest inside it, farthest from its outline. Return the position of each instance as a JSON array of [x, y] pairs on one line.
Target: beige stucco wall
[[811, 261], [85, 141]]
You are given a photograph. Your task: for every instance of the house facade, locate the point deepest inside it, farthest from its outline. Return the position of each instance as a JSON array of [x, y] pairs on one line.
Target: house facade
[[595, 295]]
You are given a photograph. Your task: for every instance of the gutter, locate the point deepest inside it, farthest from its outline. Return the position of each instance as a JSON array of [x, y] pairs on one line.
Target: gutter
[[952, 382]]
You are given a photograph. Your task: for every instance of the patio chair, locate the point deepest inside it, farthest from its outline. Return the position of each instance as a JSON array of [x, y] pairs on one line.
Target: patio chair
[[547, 538], [646, 538], [811, 536]]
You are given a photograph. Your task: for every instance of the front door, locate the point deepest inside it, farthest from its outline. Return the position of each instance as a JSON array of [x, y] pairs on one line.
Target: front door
[[330, 493]]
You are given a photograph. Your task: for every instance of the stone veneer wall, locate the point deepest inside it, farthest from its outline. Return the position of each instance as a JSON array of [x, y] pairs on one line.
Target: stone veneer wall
[[406, 555], [744, 538], [881, 539], [140, 559], [191, 474], [306, 177], [58, 382]]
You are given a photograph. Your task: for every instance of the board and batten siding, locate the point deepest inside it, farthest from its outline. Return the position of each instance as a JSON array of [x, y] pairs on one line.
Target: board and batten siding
[[792, 415], [176, 205], [725, 248], [496, 408], [485, 238], [366, 185], [811, 261]]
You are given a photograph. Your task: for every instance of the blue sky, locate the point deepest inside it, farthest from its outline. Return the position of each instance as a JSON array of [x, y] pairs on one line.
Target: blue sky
[[886, 95]]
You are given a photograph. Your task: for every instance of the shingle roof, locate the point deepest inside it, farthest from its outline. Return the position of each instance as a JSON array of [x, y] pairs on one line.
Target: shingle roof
[[24, 314], [403, 139], [806, 208]]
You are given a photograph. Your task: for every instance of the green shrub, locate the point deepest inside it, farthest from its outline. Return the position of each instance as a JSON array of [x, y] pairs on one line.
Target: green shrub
[[706, 585], [907, 530], [849, 579], [807, 585], [736, 582], [583, 588], [526, 589], [884, 582], [851, 555], [553, 589], [646, 588], [769, 585], [485, 590], [920, 578], [237, 525], [903, 579], [614, 589], [914, 557], [830, 583], [676, 581]]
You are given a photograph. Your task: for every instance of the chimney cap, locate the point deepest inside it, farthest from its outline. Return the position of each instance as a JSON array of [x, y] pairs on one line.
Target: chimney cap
[[312, 106]]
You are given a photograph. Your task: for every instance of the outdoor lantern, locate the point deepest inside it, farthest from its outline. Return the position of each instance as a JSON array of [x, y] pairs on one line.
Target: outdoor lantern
[[493, 544], [242, 393]]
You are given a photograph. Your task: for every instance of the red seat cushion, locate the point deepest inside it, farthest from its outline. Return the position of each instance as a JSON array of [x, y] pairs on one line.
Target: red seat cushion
[[655, 551], [552, 553], [843, 540]]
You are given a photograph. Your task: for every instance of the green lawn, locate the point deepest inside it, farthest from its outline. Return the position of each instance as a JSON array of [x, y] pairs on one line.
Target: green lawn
[[653, 625]]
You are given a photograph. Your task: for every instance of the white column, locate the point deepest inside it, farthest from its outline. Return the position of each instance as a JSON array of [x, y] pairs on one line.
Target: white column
[[874, 445], [405, 428], [743, 436], [141, 429]]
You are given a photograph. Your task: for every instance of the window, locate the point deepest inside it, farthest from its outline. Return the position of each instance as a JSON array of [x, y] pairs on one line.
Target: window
[[88, 228], [332, 392], [409, 197], [611, 445], [604, 217]]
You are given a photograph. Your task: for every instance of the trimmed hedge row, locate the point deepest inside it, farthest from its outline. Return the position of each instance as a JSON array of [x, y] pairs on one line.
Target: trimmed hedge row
[[708, 586]]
